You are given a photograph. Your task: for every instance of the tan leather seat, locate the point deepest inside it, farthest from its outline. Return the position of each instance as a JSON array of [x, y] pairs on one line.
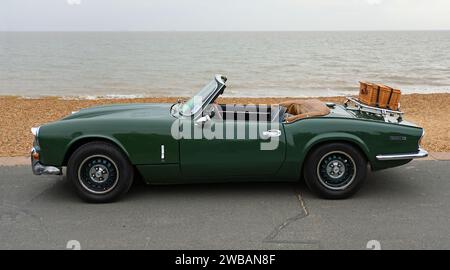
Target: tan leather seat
[[304, 108]]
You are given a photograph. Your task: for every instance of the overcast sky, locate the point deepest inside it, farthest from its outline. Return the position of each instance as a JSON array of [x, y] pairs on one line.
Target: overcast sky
[[223, 15]]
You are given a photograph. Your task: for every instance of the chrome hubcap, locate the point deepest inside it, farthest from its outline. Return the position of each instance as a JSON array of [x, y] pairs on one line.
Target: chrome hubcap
[[336, 170], [99, 173]]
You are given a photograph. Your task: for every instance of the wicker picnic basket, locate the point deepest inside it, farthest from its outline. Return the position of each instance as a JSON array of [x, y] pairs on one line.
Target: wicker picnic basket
[[394, 100], [368, 93], [379, 95], [384, 94]]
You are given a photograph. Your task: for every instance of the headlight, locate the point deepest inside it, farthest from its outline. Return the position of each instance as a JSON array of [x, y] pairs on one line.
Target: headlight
[[35, 131]]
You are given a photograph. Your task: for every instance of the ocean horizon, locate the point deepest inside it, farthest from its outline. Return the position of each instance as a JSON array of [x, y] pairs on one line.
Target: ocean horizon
[[257, 64]]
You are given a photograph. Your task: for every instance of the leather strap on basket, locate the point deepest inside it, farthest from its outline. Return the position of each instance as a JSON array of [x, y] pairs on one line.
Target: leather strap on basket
[[389, 100], [378, 95]]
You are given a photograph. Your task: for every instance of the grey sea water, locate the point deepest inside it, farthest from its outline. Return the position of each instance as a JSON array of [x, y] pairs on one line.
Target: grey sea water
[[115, 64]]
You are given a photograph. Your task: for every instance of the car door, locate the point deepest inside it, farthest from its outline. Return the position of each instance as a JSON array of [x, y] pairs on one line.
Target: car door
[[247, 148]]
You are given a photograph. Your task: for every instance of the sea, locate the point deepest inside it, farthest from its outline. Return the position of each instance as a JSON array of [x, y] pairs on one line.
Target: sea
[[89, 65]]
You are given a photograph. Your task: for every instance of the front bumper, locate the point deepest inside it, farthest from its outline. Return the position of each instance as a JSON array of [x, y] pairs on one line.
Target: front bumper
[[39, 169], [420, 154]]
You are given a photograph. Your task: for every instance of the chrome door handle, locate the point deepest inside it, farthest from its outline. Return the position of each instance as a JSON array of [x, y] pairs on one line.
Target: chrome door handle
[[272, 133]]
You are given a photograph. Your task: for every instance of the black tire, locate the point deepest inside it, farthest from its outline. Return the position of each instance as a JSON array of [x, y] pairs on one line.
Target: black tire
[[100, 172], [335, 170]]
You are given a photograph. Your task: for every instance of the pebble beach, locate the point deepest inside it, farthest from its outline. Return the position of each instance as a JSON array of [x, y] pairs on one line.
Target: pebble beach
[[18, 115]]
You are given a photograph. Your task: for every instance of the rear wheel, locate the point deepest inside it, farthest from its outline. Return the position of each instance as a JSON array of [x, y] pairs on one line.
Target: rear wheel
[[100, 172], [335, 170]]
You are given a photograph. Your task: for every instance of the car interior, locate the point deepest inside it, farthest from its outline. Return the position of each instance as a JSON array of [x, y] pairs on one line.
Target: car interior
[[303, 108], [259, 112], [288, 111]]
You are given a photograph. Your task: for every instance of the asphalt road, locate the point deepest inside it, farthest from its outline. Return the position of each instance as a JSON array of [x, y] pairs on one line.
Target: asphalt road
[[402, 208]]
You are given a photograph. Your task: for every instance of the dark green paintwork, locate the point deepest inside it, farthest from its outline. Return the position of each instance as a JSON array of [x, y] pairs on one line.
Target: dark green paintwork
[[140, 130]]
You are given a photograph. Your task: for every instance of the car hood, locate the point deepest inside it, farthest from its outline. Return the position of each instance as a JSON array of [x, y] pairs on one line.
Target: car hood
[[135, 110]]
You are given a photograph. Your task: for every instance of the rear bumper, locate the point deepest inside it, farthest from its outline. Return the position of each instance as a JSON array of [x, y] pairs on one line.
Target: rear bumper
[[39, 169], [420, 154]]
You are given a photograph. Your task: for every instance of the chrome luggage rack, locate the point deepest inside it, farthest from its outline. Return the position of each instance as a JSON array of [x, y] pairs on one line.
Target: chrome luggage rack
[[388, 115]]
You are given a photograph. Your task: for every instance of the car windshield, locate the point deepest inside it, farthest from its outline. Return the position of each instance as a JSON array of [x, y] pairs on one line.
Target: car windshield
[[195, 103]]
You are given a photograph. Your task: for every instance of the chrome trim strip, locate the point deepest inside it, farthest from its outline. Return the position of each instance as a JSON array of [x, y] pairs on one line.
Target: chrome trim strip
[[162, 151], [421, 154]]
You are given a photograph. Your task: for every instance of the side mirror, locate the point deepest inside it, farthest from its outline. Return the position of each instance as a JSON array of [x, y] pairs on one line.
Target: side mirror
[[202, 120]]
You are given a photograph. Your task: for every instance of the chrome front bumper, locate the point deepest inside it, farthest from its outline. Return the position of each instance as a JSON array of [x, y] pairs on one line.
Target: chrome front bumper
[[421, 154], [39, 169]]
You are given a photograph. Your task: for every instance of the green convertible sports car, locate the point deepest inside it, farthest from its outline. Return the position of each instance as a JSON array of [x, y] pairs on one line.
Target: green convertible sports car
[[331, 146]]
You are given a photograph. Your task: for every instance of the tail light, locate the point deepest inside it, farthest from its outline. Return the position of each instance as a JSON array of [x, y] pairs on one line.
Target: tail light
[[421, 137]]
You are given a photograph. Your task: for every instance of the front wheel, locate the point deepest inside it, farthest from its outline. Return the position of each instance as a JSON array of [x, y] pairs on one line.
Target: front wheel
[[100, 172], [335, 170]]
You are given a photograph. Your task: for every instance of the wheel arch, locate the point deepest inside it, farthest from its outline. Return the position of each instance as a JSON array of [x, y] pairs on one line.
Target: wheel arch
[[335, 138], [78, 142]]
